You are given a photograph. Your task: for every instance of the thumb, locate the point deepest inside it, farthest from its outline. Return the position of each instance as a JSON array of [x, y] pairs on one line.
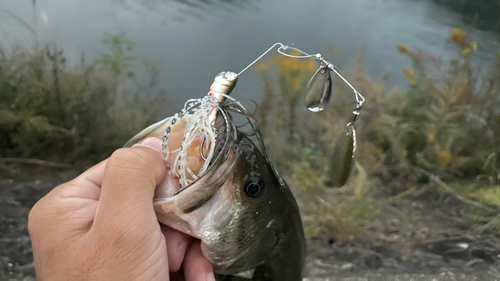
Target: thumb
[[130, 178]]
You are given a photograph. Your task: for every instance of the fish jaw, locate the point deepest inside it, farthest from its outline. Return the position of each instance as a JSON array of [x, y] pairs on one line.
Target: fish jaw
[[201, 222], [202, 208], [204, 223]]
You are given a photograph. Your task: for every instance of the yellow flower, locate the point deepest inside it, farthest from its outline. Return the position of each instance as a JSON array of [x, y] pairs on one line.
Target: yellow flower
[[295, 65], [474, 46], [260, 66], [444, 157], [410, 75], [329, 47], [431, 137], [465, 51], [310, 65], [339, 51], [296, 83], [290, 63], [458, 36], [402, 49]]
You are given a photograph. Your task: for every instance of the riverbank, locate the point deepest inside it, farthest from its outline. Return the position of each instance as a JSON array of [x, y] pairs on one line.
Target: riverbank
[[424, 237]]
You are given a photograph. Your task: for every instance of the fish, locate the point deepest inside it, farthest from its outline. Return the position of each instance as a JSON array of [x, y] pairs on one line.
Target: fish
[[222, 188]]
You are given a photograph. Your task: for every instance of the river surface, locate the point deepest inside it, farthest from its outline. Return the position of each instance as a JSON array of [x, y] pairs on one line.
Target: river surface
[[194, 40]]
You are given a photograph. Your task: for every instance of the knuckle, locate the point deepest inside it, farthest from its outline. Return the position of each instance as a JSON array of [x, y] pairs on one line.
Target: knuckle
[[123, 159], [125, 154], [33, 218], [128, 157], [43, 209], [134, 160], [36, 215]]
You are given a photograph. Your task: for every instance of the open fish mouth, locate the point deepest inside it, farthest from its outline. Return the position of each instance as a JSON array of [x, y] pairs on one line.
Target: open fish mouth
[[205, 143]]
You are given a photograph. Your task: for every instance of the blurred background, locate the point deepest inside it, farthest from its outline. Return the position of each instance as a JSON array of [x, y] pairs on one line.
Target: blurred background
[[79, 78]]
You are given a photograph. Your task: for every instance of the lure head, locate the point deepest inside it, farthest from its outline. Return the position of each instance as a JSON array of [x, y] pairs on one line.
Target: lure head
[[224, 82]]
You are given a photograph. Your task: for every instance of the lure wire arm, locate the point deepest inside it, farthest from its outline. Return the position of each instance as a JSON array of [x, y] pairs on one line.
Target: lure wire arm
[[282, 48], [359, 97]]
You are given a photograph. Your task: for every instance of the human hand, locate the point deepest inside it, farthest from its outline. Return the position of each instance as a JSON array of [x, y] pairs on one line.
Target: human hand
[[102, 226]]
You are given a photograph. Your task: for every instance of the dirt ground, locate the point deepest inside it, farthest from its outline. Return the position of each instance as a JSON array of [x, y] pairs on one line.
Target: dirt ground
[[424, 238]]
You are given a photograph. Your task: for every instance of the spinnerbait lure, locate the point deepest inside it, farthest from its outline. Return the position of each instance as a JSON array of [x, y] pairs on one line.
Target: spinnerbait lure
[[200, 115]]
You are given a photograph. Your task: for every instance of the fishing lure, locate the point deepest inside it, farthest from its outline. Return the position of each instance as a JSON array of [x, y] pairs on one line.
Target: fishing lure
[[200, 115]]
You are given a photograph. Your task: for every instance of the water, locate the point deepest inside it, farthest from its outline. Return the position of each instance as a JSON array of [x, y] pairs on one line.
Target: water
[[194, 40]]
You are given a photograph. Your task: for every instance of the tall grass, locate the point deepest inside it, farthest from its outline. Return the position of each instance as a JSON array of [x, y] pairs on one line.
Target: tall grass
[[77, 115]]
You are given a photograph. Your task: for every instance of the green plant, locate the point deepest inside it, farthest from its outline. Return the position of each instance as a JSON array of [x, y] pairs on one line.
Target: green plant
[[78, 115]]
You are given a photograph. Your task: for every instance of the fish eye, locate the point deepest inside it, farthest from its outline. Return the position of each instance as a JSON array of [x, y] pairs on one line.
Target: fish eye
[[254, 187]]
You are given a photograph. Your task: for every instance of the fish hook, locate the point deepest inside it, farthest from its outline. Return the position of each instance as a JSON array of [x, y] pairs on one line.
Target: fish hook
[[201, 149]]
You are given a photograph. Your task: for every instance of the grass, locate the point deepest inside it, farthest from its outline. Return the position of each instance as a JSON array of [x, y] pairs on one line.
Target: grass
[[77, 116], [441, 130]]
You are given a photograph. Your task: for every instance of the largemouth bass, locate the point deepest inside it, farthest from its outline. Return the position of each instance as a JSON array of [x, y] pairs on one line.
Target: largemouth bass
[[223, 190]]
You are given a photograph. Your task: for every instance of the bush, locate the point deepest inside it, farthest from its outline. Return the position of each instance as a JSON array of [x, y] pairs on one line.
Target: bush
[[79, 115]]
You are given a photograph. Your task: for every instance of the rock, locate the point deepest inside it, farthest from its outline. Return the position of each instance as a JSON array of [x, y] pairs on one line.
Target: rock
[[475, 262], [484, 253], [430, 259], [373, 261], [457, 254], [422, 234], [27, 269], [387, 251], [348, 267]]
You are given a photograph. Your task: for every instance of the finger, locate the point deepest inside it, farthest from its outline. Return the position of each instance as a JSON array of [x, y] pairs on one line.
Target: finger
[[128, 185], [196, 267], [87, 185], [177, 243]]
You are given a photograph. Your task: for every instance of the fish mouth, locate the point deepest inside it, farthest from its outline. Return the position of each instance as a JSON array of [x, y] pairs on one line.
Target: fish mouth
[[196, 146], [223, 144], [199, 154], [204, 202]]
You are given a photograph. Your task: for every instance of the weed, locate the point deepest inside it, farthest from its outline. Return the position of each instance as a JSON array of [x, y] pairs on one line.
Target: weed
[[76, 116]]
